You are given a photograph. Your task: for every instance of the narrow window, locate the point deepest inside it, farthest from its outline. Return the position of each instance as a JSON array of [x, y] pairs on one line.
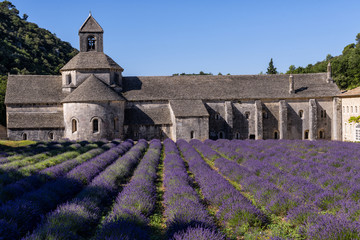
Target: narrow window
[[68, 79], [265, 114], [343, 108], [321, 134], [192, 135], [306, 134], [321, 113], [324, 114], [237, 135], [221, 135], [217, 116], [24, 136], [352, 109], [116, 124], [355, 109], [74, 125], [301, 114], [95, 125], [247, 115], [51, 136], [91, 43], [276, 135], [347, 109]]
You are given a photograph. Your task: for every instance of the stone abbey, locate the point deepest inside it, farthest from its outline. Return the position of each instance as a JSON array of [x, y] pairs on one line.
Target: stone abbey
[[92, 100]]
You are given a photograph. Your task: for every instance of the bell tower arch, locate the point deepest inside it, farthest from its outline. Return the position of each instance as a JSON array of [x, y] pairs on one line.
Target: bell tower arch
[[91, 36]]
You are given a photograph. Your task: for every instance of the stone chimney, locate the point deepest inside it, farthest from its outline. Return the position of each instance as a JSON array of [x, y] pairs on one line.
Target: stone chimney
[[329, 78], [291, 84]]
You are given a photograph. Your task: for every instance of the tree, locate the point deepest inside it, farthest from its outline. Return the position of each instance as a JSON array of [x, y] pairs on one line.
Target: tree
[[271, 69]]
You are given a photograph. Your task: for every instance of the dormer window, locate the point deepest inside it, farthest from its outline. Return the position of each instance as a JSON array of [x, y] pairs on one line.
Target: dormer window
[[91, 43]]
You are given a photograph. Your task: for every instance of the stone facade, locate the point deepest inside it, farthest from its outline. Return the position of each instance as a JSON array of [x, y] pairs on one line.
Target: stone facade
[[92, 100]]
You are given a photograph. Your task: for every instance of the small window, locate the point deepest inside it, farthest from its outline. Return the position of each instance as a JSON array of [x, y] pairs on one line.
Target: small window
[[91, 43], [116, 124], [74, 125], [306, 134], [321, 114], [301, 114], [276, 135], [247, 115], [221, 135], [95, 124], [192, 135], [355, 109], [68, 79], [252, 136], [321, 134], [324, 113], [265, 114], [24, 136], [343, 108], [217, 116], [347, 109], [51, 136], [352, 108], [237, 135]]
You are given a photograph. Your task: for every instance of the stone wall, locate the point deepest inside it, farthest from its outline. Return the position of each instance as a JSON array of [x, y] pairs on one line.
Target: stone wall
[[147, 132], [35, 134], [192, 127], [85, 113], [350, 108]]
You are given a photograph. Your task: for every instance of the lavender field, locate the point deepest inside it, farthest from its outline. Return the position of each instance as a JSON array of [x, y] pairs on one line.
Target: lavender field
[[272, 189]]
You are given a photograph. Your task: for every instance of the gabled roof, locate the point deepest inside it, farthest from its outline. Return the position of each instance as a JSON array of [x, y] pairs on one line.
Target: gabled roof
[[29, 89], [35, 120], [93, 90], [351, 93], [91, 60], [208, 87], [91, 25], [188, 108], [140, 115]]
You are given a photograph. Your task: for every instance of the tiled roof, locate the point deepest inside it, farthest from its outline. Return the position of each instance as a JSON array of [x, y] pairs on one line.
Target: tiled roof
[[93, 90], [188, 108], [91, 25], [230, 87], [91, 60], [22, 89], [35, 120], [350, 93]]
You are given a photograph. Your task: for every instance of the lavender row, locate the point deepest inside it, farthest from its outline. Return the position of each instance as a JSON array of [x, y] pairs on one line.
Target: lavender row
[[22, 215], [15, 175], [185, 214], [234, 210], [78, 219], [33, 182], [129, 216]]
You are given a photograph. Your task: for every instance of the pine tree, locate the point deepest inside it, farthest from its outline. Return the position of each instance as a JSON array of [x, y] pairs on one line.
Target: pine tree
[[271, 69]]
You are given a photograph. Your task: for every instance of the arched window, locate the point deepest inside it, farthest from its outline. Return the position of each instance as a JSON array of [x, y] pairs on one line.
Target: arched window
[[74, 125], [321, 134], [355, 109], [247, 115], [352, 108], [51, 136], [91, 43], [95, 124], [192, 135], [357, 132], [276, 134], [217, 116], [343, 108], [301, 114], [306, 134], [221, 135], [68, 79], [347, 109], [24, 136], [237, 135]]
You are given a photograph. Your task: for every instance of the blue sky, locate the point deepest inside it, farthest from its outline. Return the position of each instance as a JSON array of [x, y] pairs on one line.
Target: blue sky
[[156, 37]]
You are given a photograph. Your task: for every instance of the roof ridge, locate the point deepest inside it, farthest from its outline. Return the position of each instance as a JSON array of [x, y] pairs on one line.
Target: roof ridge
[[90, 17]]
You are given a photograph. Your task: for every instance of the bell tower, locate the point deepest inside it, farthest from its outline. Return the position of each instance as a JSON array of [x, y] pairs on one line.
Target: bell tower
[[91, 36]]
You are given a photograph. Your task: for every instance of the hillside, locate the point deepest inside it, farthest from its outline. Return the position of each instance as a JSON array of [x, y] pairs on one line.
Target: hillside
[[26, 48], [345, 67]]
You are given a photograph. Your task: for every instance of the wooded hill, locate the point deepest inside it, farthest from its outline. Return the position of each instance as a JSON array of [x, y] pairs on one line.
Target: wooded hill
[[345, 67], [27, 49]]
